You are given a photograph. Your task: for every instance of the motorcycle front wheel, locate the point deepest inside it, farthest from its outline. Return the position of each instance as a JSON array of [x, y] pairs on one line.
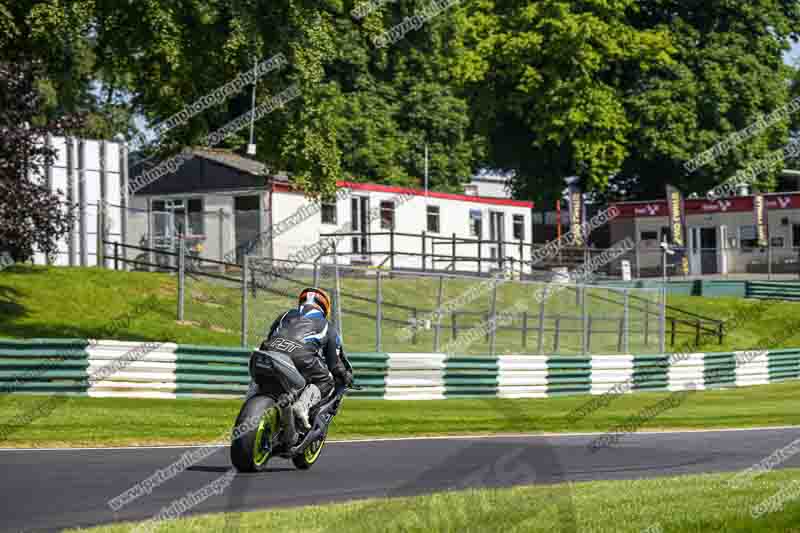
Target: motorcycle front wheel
[[251, 451], [305, 460]]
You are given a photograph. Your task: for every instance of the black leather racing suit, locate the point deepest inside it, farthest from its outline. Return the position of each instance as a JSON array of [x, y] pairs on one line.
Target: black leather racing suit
[[320, 358]]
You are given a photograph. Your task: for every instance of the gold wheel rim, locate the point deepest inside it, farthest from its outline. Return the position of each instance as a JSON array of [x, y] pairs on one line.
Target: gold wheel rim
[[312, 452], [267, 425]]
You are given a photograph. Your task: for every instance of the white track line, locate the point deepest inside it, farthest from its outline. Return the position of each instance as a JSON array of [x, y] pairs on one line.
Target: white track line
[[400, 439]]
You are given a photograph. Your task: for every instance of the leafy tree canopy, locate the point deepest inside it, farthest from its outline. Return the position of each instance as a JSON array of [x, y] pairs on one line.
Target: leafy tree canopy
[[618, 92]]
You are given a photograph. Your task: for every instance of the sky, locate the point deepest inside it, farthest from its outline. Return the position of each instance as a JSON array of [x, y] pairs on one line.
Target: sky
[[792, 55]]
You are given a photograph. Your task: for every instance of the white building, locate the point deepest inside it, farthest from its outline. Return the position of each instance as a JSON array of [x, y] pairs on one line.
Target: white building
[[231, 206], [490, 185], [90, 174], [368, 214]]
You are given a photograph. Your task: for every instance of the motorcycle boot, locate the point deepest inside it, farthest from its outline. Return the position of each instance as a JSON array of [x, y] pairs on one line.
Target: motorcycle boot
[[308, 398]]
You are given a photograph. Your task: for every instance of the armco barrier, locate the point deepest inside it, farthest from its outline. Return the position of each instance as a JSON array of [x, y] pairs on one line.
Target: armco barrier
[[172, 371], [777, 290], [44, 366], [773, 290]]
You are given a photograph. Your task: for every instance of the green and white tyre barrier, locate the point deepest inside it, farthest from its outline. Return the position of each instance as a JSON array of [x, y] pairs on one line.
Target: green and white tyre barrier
[[414, 376], [610, 370], [522, 376], [168, 370], [150, 376]]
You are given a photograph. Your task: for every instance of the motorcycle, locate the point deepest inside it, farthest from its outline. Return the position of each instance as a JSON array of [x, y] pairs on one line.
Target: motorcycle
[[277, 433]]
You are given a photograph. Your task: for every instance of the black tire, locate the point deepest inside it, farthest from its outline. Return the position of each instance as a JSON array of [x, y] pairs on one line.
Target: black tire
[[306, 460], [246, 452]]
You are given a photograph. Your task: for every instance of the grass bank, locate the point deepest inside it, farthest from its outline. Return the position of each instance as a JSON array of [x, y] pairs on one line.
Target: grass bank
[[686, 504], [95, 303]]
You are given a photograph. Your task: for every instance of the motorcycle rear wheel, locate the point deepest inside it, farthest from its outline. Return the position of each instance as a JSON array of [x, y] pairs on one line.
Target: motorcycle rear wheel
[[253, 449]]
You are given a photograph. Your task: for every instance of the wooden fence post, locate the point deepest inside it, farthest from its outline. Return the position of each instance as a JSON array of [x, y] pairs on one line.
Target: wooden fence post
[[391, 246], [524, 329], [454, 252], [416, 326], [423, 250], [480, 254], [540, 344], [558, 330], [589, 334], [697, 333], [672, 335]]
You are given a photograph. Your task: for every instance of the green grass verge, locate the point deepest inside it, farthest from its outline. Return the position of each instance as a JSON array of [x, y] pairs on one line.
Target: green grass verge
[[79, 421], [94, 303], [671, 505]]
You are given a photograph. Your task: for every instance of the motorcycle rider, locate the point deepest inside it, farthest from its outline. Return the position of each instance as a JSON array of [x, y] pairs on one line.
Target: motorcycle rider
[[306, 335]]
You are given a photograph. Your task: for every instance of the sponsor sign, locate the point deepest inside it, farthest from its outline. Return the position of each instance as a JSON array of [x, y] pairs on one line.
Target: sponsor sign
[[576, 211], [677, 226], [760, 216]]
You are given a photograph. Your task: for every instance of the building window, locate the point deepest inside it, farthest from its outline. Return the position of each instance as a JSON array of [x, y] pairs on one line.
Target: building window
[[387, 215], [160, 218], [433, 218], [748, 237], [648, 236], [178, 216], [195, 217], [475, 227], [665, 234], [519, 227], [796, 235], [328, 213]]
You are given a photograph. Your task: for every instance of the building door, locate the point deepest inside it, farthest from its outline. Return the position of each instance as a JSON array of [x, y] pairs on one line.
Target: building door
[[694, 250], [496, 234], [708, 250], [359, 209], [723, 249], [247, 226]]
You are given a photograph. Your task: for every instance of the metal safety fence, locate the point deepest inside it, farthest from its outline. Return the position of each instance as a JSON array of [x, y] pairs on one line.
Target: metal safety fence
[[380, 309]]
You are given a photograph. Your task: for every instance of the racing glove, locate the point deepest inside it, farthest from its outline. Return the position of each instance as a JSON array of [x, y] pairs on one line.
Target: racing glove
[[344, 377]]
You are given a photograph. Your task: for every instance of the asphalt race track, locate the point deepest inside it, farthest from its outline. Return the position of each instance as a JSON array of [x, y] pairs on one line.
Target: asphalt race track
[[52, 489]]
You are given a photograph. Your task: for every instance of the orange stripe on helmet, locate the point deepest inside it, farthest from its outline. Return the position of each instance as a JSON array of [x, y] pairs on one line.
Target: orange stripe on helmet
[[320, 296]]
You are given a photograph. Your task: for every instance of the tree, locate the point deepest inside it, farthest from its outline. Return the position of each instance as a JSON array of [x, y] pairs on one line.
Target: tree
[[727, 72], [31, 216], [549, 81], [61, 36], [364, 113], [622, 93]]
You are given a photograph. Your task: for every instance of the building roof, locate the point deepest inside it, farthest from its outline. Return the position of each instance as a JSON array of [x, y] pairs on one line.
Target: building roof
[[374, 187], [209, 171], [203, 173], [233, 160]]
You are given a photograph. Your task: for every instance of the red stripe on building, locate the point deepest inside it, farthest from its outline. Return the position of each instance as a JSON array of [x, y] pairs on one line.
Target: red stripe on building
[[658, 208], [279, 187]]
